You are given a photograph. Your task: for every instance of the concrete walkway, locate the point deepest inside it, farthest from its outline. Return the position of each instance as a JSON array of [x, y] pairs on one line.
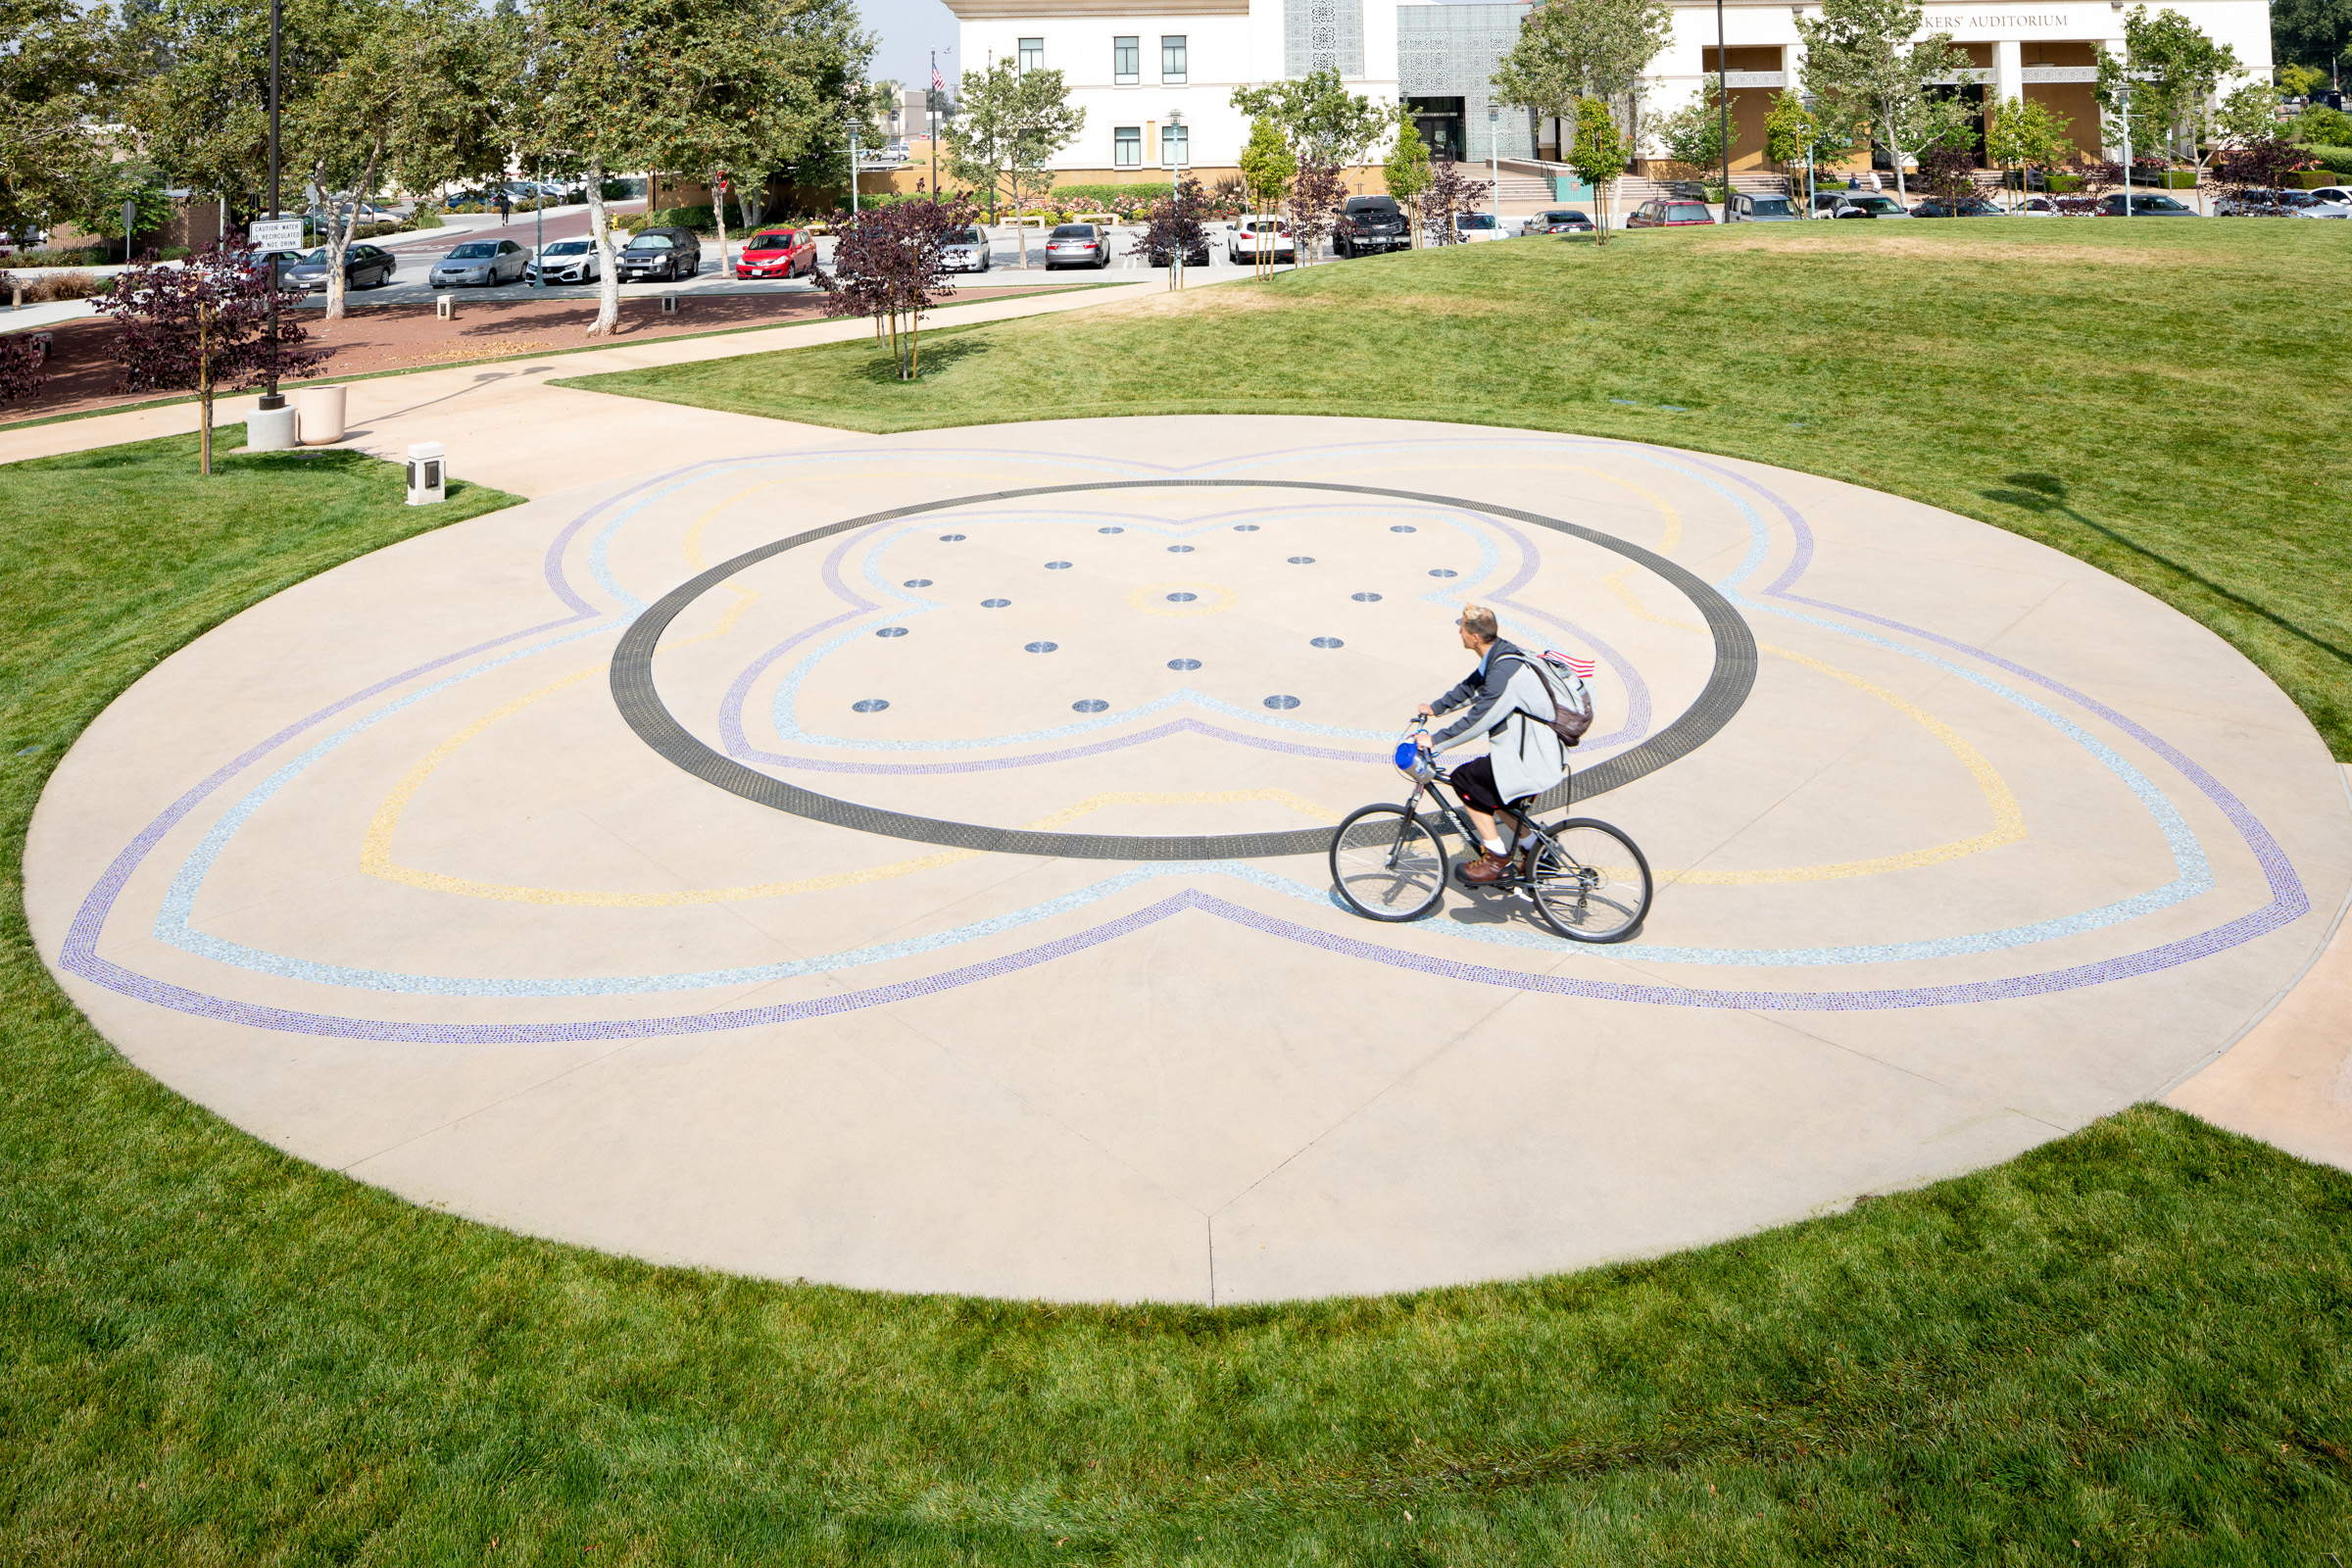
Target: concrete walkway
[[504, 427], [1961, 845]]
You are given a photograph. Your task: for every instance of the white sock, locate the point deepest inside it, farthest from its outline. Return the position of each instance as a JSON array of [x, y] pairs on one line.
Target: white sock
[[1494, 848], [1527, 840]]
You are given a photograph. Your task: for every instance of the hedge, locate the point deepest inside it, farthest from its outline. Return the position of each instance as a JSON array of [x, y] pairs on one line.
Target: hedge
[[2337, 161], [701, 219]]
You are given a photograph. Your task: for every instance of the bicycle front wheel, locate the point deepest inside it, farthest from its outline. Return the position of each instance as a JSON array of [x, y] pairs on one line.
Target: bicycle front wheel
[[1387, 864], [1591, 883]]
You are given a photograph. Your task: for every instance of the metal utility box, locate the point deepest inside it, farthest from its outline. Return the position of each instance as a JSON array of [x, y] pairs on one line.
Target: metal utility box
[[429, 475]]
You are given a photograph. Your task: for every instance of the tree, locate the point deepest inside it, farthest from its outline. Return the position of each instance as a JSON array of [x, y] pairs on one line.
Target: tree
[[2173, 71], [21, 358], [1318, 115], [2313, 34], [1174, 230], [1317, 199], [205, 325], [1571, 51], [2259, 165], [1597, 152], [1268, 167], [886, 266], [1947, 172], [1860, 63], [59, 62], [1449, 193], [2301, 81], [2026, 133], [1406, 169], [1692, 133], [1012, 124]]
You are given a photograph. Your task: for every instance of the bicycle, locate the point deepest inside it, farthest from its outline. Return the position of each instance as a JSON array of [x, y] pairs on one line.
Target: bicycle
[[1587, 879]]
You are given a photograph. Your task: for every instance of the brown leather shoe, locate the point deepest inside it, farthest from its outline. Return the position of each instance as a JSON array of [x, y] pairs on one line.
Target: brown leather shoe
[[1487, 871]]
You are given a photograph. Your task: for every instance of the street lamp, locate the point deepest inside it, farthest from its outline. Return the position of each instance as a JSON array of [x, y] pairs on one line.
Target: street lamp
[[1723, 107], [1495, 164], [2123, 109], [1811, 102]]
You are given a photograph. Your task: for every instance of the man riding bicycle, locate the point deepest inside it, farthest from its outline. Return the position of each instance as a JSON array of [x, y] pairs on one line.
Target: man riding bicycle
[[1512, 705]]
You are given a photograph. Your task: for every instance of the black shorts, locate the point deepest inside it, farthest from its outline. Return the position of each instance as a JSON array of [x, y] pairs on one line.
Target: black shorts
[[1474, 782]]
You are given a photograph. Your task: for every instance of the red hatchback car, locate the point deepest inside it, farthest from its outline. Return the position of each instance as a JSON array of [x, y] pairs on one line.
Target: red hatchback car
[[778, 252]]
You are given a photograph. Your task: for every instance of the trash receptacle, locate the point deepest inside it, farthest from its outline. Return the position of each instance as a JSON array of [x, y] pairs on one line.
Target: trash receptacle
[[429, 475], [322, 411]]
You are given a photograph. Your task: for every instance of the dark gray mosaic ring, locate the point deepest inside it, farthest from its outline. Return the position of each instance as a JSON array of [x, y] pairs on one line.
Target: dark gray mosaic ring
[[1726, 690]]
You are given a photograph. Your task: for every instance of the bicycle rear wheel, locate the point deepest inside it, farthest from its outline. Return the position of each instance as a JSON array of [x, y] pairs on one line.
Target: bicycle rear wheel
[[1592, 883], [1387, 866]]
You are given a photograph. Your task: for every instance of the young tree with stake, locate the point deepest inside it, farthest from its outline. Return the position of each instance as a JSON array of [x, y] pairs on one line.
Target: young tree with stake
[[1598, 153], [1862, 64], [1407, 169], [1267, 168], [1012, 124]]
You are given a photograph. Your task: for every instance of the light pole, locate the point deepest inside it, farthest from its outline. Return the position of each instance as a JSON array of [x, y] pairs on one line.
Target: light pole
[[1723, 107], [1811, 102], [1175, 122], [277, 13], [2122, 112], [936, 101], [538, 241], [1495, 165]]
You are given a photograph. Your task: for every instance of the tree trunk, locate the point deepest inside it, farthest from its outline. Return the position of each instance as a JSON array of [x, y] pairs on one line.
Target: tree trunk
[[1019, 228], [338, 234], [718, 214], [607, 272]]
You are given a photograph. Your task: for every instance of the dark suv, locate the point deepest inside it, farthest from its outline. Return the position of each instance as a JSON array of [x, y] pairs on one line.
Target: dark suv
[[663, 253], [1370, 225]]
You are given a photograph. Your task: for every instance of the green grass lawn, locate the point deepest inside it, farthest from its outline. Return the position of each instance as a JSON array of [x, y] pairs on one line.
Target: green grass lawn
[[2134, 1345], [2169, 402]]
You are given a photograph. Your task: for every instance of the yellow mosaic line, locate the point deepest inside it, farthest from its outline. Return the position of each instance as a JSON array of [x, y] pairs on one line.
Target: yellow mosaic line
[[377, 861], [1226, 598], [693, 546]]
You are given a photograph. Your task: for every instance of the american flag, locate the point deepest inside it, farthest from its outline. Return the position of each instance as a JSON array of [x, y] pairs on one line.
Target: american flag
[[1583, 668], [939, 83]]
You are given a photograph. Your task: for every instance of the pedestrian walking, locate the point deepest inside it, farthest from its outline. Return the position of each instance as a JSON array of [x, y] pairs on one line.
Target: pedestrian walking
[[505, 206]]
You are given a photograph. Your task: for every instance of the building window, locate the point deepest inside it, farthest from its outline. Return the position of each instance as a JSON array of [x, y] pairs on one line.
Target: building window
[[1127, 147], [1171, 58], [1126, 61], [1175, 145], [1033, 54]]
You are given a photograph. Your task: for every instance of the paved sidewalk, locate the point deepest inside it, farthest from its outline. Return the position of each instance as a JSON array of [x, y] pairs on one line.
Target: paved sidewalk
[[504, 427]]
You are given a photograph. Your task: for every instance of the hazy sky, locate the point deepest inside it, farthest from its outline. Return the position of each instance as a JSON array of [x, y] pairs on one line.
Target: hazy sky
[[907, 30]]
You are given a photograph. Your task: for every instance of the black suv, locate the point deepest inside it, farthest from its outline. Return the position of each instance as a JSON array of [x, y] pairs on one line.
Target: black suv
[[663, 253], [1371, 224]]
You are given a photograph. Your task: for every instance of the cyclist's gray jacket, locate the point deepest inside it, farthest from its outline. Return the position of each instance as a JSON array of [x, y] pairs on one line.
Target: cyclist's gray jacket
[[1510, 702]]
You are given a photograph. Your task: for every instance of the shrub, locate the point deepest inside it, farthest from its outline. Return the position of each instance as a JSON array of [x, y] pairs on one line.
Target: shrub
[[425, 217], [2337, 161], [699, 219], [173, 253], [95, 256], [69, 285]]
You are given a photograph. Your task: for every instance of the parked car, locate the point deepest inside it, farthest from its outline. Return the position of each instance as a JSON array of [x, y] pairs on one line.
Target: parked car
[[2153, 204], [661, 252], [1196, 254], [1559, 220], [965, 251], [566, 261], [1470, 227], [483, 263], [1371, 225], [1078, 245], [1661, 213], [778, 252], [363, 267], [1856, 203], [2324, 203], [1253, 232], [2332, 196], [1762, 209], [1965, 207], [2035, 207]]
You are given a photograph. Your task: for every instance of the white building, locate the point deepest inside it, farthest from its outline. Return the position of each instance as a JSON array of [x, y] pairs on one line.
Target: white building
[[1155, 78]]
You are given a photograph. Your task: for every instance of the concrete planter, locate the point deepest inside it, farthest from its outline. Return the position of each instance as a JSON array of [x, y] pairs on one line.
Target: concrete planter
[[322, 411]]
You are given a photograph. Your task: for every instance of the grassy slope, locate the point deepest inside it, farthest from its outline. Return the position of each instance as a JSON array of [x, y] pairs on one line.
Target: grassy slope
[[2139, 1339], [2166, 402]]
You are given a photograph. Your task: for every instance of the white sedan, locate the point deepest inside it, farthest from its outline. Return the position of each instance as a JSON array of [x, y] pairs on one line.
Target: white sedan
[[1468, 227]]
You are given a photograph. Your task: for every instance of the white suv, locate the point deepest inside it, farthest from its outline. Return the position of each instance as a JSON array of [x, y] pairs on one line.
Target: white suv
[[1253, 230]]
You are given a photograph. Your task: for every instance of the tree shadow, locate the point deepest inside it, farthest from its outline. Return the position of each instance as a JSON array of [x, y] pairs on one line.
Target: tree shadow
[[2046, 494], [938, 353]]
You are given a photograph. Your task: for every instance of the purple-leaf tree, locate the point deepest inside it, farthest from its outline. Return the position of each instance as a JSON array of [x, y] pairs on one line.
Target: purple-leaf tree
[[204, 323], [1949, 172], [1173, 230], [2259, 167], [1449, 194], [21, 358], [1316, 197], [886, 266]]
